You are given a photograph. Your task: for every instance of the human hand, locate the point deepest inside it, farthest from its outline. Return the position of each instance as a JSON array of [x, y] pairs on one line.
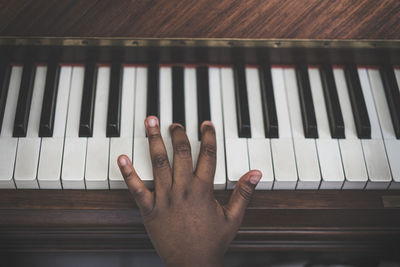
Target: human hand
[[186, 224]]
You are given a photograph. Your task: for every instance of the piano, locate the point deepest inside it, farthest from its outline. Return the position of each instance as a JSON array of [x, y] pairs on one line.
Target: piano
[[319, 117]]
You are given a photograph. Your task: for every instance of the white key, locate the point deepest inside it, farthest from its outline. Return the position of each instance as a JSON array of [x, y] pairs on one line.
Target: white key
[[96, 172], [259, 147], [74, 155], [166, 109], [51, 150], [237, 162], [391, 143], [8, 144], [191, 118], [330, 161], [350, 148], [305, 149], [141, 154], [282, 148], [28, 150], [374, 149], [216, 118], [124, 143]]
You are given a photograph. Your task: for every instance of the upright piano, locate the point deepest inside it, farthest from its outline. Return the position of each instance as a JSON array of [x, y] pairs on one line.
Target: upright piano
[[306, 92]]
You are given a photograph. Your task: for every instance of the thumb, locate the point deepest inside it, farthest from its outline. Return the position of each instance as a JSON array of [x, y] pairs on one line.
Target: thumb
[[143, 197], [242, 194]]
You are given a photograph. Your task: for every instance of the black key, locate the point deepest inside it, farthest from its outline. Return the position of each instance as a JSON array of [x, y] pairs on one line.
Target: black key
[[392, 96], [268, 103], [335, 117], [178, 96], [114, 101], [24, 99], [306, 102], [358, 106], [49, 100], [153, 90], [88, 100], [5, 73], [242, 104], [203, 96]]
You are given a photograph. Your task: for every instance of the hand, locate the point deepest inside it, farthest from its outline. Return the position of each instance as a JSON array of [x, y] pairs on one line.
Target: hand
[[185, 223]]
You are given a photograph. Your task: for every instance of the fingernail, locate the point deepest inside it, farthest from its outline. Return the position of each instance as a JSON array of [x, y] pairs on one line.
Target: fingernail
[[206, 124], [152, 122], [123, 161], [175, 125], [255, 179]]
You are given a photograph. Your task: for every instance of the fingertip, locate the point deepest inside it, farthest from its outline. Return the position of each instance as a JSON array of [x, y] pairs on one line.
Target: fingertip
[[123, 160], [206, 124], [175, 126], [253, 176], [151, 121]]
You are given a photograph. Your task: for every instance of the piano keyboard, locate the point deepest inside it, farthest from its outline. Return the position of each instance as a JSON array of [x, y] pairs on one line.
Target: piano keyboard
[[304, 127]]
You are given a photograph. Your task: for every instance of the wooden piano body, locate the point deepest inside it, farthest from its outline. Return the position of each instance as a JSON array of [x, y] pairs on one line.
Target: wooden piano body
[[281, 33]]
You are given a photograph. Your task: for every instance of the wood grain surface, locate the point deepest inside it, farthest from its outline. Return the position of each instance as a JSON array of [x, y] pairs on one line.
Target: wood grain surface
[[311, 19]]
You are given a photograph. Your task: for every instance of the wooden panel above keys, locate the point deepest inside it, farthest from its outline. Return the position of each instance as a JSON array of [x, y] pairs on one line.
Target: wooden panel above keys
[[312, 19]]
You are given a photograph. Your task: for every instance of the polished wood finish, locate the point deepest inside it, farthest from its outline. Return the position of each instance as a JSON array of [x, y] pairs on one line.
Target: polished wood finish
[[312, 19], [43, 220]]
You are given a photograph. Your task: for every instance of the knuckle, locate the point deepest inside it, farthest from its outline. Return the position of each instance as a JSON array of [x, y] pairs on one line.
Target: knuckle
[[245, 192], [209, 150], [129, 176], [154, 136], [139, 193], [160, 161], [183, 149]]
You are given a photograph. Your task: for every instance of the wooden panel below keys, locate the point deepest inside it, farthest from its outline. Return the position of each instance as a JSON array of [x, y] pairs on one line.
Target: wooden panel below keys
[[275, 220]]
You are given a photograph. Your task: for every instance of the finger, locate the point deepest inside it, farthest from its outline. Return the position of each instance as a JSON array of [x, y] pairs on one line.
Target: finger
[[159, 157], [142, 195], [242, 194], [207, 161], [183, 164]]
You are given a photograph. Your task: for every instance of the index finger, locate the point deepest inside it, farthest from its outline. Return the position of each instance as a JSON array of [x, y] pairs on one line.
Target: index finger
[[207, 162]]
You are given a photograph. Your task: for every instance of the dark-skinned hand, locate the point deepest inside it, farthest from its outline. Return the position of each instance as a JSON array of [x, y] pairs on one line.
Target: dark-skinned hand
[[186, 224]]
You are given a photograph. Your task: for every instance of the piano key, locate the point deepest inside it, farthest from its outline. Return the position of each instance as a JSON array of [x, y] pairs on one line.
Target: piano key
[[74, 155], [282, 148], [24, 99], [49, 100], [268, 103], [166, 108], [258, 146], [216, 118], [51, 149], [27, 158], [392, 96], [304, 147], [88, 100], [358, 105], [124, 143], [237, 162], [141, 153], [350, 148], [190, 99], [5, 73], [96, 171], [392, 144], [242, 104], [374, 150], [8, 144], [332, 104], [330, 161], [153, 90], [306, 104], [178, 95], [114, 101], [203, 96]]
